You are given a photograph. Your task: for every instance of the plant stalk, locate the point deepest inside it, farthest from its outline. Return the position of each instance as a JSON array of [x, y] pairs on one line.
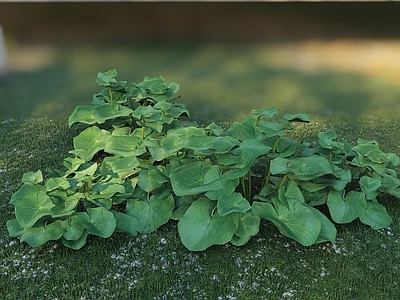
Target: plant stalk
[[111, 97]]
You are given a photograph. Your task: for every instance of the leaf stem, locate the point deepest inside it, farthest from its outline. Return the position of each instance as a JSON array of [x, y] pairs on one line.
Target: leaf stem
[[243, 187], [282, 181], [279, 186], [111, 97], [249, 186], [276, 144], [267, 177]]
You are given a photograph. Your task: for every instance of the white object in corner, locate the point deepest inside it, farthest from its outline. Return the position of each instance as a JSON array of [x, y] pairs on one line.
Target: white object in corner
[[3, 54]]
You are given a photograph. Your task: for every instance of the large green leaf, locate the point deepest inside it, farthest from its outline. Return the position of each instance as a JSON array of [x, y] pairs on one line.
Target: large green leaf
[[152, 178], [106, 78], [65, 207], [224, 144], [240, 132], [199, 142], [127, 145], [14, 228], [73, 228], [32, 177], [200, 228], [98, 221], [195, 178], [370, 155], [345, 209], [82, 114], [271, 128], [121, 164], [264, 112], [301, 117], [41, 233], [247, 153], [291, 192], [234, 202], [227, 187], [86, 172], [72, 164], [248, 226], [376, 216], [106, 112], [151, 213], [126, 223], [76, 244], [297, 221], [57, 183], [31, 208], [326, 139], [25, 190], [155, 149], [89, 142], [328, 230], [369, 186], [302, 168]]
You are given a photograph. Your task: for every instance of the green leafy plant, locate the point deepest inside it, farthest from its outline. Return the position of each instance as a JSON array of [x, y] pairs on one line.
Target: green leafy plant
[[140, 163]]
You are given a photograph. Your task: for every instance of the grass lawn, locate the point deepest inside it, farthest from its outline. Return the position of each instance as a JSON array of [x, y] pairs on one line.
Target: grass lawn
[[35, 104]]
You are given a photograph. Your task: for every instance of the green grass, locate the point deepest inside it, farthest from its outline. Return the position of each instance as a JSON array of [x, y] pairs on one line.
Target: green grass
[[362, 264]]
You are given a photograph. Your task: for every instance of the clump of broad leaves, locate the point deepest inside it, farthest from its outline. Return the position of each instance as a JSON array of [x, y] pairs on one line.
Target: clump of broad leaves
[[138, 164]]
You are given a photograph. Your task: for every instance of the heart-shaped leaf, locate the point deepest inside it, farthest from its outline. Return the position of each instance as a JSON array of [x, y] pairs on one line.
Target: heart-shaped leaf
[[328, 230], [41, 233], [248, 226], [57, 183], [192, 179], [297, 221], [82, 114], [31, 208], [302, 168], [369, 186], [200, 228], [126, 223], [32, 177], [73, 228], [97, 221], [65, 207], [152, 213], [346, 209], [127, 145], [376, 216], [25, 190], [14, 228], [232, 203], [106, 78], [264, 112], [106, 112], [301, 117], [89, 142], [76, 244]]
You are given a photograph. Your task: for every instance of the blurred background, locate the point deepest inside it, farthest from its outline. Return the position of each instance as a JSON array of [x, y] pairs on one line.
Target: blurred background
[[325, 59]]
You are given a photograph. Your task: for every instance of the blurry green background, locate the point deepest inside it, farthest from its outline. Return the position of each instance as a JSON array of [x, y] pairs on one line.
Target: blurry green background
[[325, 59]]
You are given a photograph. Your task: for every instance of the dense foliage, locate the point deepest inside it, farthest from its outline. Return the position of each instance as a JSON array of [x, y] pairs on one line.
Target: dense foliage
[[140, 163]]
